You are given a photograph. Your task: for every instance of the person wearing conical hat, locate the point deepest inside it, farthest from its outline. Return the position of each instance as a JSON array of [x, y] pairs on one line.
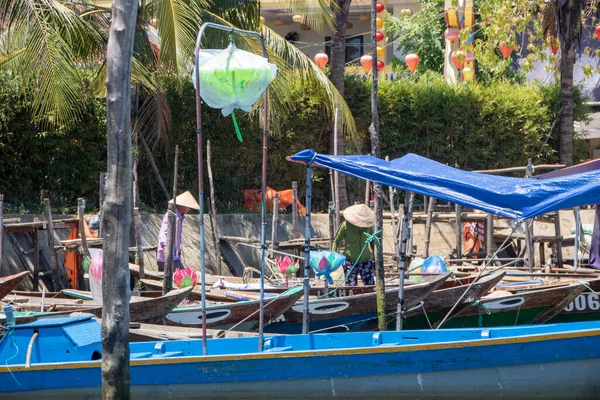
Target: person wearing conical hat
[[185, 202], [359, 220]]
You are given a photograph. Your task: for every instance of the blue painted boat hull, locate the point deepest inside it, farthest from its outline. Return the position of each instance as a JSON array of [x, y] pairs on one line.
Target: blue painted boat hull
[[550, 361]]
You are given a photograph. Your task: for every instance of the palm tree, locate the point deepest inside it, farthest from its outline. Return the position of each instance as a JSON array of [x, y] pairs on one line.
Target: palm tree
[[565, 18]]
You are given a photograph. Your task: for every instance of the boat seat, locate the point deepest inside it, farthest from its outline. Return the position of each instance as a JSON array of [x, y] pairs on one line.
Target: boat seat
[[278, 349], [143, 354]]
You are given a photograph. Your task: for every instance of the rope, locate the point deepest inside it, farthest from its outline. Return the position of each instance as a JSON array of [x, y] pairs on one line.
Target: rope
[[8, 336], [481, 306], [370, 238], [520, 222]]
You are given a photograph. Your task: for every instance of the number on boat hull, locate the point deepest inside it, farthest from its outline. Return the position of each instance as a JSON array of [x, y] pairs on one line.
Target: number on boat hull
[[585, 302]]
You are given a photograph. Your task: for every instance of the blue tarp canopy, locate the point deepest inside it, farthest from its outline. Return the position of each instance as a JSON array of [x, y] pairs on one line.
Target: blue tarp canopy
[[517, 198]]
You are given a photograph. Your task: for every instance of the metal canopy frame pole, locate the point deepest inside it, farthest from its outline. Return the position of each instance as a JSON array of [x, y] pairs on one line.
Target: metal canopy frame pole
[[307, 235], [201, 176]]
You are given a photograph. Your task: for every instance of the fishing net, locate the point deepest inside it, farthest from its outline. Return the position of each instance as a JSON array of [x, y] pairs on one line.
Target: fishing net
[[232, 78], [324, 263]]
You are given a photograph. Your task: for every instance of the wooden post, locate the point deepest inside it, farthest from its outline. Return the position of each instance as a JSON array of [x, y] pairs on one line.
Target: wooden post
[[171, 229], [275, 222], [294, 204], [1, 230], [393, 193], [101, 200], [332, 230], [558, 245], [80, 215], [578, 237], [489, 235], [137, 221], [529, 227], [53, 261], [36, 258], [430, 207], [367, 193], [116, 292], [458, 231], [213, 208]]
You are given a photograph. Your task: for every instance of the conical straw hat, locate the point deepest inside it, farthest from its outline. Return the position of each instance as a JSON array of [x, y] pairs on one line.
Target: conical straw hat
[[186, 200], [360, 215]]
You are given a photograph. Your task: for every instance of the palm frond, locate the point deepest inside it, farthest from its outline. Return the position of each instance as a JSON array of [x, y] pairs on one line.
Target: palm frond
[[178, 22], [46, 40], [549, 19], [153, 118]]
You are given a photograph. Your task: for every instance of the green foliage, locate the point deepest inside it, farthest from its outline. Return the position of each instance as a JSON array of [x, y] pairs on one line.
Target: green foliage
[[421, 33], [471, 127], [62, 164]]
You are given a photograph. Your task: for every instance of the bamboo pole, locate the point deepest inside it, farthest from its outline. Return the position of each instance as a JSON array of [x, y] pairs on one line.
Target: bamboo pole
[[275, 222], [558, 245], [402, 268], [430, 207], [36, 256], [294, 205], [306, 280], [53, 261], [171, 229], [161, 183], [138, 241], [393, 193], [489, 235], [336, 175], [2, 230], [411, 205], [578, 231], [331, 224], [458, 231], [529, 227], [213, 208]]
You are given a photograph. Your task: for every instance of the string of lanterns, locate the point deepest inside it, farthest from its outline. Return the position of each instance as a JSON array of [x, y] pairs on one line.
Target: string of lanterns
[[366, 61]]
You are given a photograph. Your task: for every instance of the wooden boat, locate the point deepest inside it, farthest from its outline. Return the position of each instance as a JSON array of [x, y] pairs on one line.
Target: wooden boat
[[141, 309], [524, 362], [8, 283], [195, 294], [433, 307], [242, 315], [528, 307], [351, 312], [143, 332]]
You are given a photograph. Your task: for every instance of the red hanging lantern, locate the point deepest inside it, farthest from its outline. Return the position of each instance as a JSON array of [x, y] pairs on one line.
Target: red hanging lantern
[[597, 31], [379, 7], [552, 45], [367, 62], [379, 36], [321, 60], [505, 49], [469, 57], [451, 34], [412, 61], [380, 65], [458, 58]]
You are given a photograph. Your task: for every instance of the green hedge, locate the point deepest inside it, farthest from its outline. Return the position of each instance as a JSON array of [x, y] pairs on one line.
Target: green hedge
[[472, 127]]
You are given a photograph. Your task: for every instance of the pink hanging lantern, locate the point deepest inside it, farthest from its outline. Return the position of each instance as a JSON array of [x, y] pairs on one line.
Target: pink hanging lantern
[[367, 63], [321, 59], [412, 61], [451, 34]]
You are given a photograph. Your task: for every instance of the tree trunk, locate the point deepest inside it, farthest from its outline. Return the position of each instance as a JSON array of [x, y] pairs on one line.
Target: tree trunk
[[338, 66], [117, 203], [377, 191], [569, 25]]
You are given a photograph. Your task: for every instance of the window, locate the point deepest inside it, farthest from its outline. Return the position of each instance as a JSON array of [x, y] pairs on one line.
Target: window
[[354, 48]]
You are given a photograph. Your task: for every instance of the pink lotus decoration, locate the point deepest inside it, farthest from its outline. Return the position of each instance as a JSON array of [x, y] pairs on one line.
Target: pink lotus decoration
[[185, 277], [287, 267]]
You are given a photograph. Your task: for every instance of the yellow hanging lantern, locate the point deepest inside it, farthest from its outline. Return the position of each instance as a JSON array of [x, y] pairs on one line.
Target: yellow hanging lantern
[[379, 22], [379, 51], [298, 18], [468, 74], [452, 18]]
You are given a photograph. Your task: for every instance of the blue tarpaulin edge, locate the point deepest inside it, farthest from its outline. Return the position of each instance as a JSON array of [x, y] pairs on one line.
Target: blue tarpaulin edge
[[517, 198]]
